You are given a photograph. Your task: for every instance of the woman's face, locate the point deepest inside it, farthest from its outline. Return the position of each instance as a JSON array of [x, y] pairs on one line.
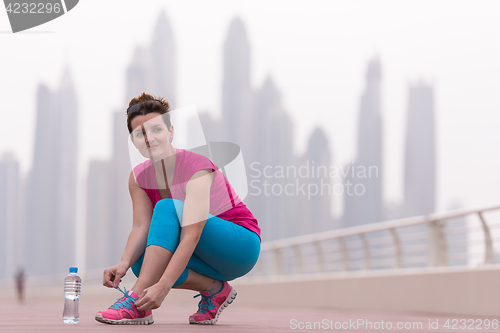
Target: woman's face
[[151, 136]]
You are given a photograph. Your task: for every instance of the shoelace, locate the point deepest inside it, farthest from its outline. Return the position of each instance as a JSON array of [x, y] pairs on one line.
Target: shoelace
[[205, 303], [124, 301]]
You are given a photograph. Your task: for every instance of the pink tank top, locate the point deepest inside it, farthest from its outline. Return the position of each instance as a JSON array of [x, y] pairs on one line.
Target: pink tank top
[[224, 202]]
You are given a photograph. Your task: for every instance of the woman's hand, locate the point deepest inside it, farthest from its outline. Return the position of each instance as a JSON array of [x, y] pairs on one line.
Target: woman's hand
[[112, 276], [152, 297]]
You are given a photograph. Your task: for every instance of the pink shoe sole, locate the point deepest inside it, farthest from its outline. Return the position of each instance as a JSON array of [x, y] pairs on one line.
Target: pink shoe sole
[[138, 321]]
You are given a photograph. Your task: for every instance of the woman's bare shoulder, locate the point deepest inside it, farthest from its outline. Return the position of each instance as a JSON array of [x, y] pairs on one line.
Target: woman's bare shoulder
[[133, 185]]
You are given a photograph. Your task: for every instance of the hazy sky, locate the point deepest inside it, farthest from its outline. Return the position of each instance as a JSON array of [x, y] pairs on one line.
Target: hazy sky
[[316, 52]]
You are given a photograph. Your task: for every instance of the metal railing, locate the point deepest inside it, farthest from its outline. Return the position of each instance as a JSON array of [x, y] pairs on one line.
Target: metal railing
[[440, 239]]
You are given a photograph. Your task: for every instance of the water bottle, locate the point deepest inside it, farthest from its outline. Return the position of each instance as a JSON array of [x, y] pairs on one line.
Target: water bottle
[[72, 286]]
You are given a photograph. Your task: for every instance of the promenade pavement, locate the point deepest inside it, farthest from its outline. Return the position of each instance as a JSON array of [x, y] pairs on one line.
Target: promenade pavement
[[42, 312]]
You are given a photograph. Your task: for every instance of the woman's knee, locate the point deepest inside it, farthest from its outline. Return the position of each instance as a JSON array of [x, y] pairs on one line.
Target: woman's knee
[[169, 206], [167, 211], [165, 225]]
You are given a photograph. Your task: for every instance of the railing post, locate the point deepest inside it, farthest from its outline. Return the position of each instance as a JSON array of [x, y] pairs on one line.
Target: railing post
[[278, 264], [366, 250], [399, 250], [488, 244], [436, 244], [345, 257], [260, 267], [321, 257], [299, 263]]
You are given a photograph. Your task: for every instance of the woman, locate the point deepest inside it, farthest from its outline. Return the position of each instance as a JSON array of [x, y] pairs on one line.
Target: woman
[[190, 230]]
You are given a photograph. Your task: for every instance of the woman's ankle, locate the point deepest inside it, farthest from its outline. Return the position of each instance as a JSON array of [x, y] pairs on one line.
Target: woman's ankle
[[216, 287], [137, 289]]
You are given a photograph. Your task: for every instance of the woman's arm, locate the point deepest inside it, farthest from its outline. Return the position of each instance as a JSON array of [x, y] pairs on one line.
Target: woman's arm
[[195, 214], [137, 239]]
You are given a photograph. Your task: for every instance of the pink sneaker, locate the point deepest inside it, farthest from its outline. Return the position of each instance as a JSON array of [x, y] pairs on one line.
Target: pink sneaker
[[211, 306], [124, 312]]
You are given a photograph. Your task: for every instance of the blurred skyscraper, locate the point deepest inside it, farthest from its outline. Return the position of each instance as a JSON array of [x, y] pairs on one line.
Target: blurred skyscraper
[[319, 206], [10, 226], [109, 207], [67, 173], [272, 147], [100, 241], [41, 202], [364, 203], [138, 74], [420, 165], [162, 50], [51, 189], [420, 152], [121, 203], [238, 122], [152, 69], [236, 90]]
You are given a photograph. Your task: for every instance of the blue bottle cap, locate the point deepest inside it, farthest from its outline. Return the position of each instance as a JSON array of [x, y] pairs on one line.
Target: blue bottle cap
[[73, 269]]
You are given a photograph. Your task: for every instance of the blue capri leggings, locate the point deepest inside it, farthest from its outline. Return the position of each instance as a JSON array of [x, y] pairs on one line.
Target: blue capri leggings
[[224, 252]]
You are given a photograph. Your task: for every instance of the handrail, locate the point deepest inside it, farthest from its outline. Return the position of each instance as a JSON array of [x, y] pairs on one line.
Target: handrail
[[380, 226], [433, 233]]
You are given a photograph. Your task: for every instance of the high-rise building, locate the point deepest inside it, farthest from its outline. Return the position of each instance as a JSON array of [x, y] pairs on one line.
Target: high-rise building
[[162, 71], [268, 111], [120, 197], [138, 74], [10, 228], [152, 69], [41, 188], [99, 213], [67, 171], [109, 207], [51, 188], [236, 89], [319, 182], [420, 152], [272, 148], [363, 203]]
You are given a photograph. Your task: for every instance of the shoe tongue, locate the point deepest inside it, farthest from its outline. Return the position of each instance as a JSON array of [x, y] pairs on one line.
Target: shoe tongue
[[131, 293], [206, 293]]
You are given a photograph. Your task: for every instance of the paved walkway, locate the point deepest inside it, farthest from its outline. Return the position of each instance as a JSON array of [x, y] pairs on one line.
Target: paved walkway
[[43, 312]]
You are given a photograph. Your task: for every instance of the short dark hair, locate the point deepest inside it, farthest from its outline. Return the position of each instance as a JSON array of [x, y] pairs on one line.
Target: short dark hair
[[149, 103]]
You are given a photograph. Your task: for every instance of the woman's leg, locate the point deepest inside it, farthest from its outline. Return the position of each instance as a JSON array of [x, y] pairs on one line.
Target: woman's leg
[[163, 239], [155, 262], [224, 252], [165, 232], [196, 281]]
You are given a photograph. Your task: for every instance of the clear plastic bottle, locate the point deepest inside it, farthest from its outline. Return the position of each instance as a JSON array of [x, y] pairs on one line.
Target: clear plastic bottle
[[72, 287]]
